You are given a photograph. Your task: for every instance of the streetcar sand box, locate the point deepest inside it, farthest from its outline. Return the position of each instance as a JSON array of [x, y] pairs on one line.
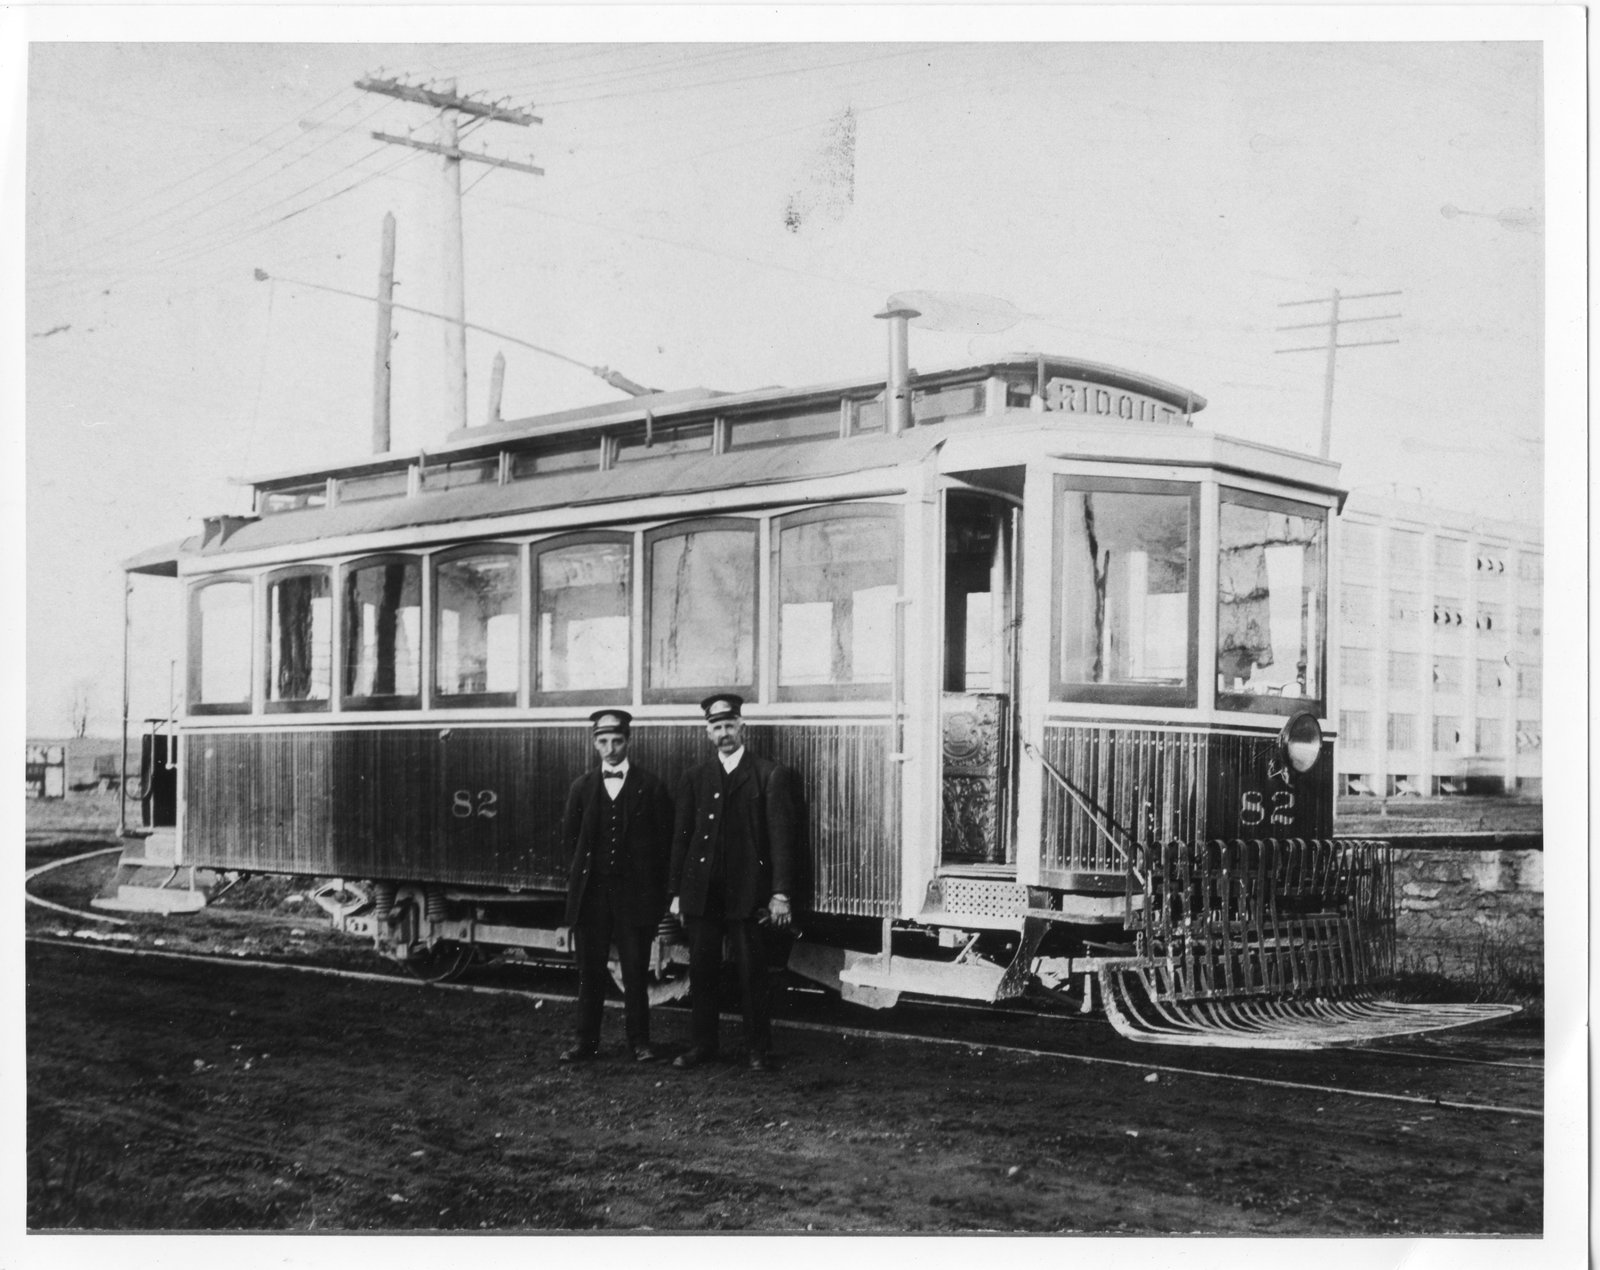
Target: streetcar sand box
[[182, 1095]]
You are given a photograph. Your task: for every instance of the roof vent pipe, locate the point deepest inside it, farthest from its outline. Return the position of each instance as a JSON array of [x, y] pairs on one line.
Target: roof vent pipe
[[897, 391]]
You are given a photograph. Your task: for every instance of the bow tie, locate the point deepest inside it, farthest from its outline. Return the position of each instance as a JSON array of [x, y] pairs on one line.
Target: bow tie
[[612, 773]]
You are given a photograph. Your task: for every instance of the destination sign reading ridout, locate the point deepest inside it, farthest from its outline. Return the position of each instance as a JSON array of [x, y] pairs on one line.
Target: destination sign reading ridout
[[1079, 397]]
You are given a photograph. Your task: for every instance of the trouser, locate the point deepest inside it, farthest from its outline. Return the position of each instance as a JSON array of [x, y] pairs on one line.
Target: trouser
[[705, 978], [601, 923]]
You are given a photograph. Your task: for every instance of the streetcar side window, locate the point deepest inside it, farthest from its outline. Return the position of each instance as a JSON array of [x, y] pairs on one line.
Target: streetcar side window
[[1272, 603], [219, 647], [582, 623], [838, 573], [477, 613], [1125, 616], [299, 640], [700, 615], [382, 634]]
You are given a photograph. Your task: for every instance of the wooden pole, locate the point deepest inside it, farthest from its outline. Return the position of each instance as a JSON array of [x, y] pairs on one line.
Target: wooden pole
[[380, 363], [497, 383], [1327, 381], [452, 269]]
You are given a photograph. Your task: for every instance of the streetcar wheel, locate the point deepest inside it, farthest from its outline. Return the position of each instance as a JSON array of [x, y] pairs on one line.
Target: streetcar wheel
[[444, 962]]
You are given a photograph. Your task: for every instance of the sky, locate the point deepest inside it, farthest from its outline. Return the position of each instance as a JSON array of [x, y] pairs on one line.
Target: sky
[[732, 215]]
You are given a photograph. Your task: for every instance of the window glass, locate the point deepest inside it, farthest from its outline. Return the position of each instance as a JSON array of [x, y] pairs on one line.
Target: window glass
[[1449, 614], [1490, 676], [1123, 584], [1446, 734], [1355, 667], [1530, 680], [1529, 624], [476, 599], [582, 616], [383, 630], [1404, 668], [1271, 599], [1402, 731], [1448, 674], [1355, 729], [764, 430], [292, 500], [220, 613], [444, 476], [1530, 567], [702, 610], [356, 489], [300, 637], [1530, 735], [1358, 612], [570, 456], [837, 581], [1405, 551], [1405, 607], [1360, 545], [665, 442], [1450, 553], [1488, 736]]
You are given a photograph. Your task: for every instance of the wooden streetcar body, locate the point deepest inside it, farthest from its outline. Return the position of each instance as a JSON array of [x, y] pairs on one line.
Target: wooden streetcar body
[[986, 762]]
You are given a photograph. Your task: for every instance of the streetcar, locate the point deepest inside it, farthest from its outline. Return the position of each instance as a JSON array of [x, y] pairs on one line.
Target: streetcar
[[1052, 662]]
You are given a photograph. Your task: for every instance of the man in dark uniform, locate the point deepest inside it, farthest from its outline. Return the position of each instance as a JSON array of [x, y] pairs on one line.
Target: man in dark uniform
[[618, 827], [734, 849]]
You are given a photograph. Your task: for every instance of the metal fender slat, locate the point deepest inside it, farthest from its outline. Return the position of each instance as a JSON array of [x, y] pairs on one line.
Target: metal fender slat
[[1142, 1016]]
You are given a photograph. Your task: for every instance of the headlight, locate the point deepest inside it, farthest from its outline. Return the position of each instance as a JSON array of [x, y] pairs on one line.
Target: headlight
[[1301, 742]]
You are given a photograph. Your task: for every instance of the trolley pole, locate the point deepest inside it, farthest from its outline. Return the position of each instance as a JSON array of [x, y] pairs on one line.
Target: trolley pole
[[380, 364], [1333, 322]]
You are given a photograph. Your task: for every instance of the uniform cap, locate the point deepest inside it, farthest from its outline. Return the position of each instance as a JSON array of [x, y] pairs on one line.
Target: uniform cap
[[722, 705], [611, 721]]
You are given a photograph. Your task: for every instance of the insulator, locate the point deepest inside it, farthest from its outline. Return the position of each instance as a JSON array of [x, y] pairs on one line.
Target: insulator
[[383, 899], [435, 907]]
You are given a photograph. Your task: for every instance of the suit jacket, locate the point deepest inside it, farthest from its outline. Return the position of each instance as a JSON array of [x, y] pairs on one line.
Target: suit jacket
[[757, 824], [646, 835]]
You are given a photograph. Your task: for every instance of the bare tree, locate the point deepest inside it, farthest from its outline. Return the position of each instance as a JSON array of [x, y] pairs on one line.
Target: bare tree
[[82, 706]]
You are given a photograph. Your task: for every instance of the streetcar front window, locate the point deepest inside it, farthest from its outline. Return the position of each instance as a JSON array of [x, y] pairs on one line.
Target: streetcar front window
[[299, 639], [1124, 617], [219, 648], [838, 575], [702, 609], [1272, 588], [382, 633], [477, 608], [582, 618]]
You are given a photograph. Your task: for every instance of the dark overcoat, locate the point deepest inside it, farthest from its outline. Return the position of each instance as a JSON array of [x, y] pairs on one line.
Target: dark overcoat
[[758, 825], [647, 841]]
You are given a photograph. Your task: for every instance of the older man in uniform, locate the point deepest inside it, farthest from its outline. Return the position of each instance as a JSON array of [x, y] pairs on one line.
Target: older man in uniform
[[618, 829], [734, 849]]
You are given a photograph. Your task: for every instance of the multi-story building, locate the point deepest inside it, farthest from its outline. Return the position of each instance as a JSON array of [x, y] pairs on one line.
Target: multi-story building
[[1438, 651]]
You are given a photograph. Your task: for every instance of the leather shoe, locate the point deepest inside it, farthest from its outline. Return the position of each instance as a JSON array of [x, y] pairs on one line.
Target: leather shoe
[[579, 1054], [693, 1057], [760, 1062], [645, 1054]]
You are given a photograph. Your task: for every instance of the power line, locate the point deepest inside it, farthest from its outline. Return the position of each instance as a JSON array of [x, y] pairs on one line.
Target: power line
[[1333, 323]]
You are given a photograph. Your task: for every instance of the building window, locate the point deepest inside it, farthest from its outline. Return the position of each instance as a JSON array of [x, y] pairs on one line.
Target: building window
[[700, 617], [1449, 614], [1530, 735], [1449, 674], [1405, 670], [1491, 619], [1530, 566], [299, 640], [219, 647], [1405, 608], [1488, 736], [1491, 562], [838, 573], [1358, 613], [477, 601], [1449, 555], [1123, 619], [1271, 603], [1530, 682], [582, 619], [1355, 667], [382, 636], [1405, 551], [1530, 623], [1446, 734], [1359, 548], [1491, 676], [1402, 732], [1355, 729]]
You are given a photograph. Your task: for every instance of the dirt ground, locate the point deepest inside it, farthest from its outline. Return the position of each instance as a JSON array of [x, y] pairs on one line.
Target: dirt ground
[[224, 1095]]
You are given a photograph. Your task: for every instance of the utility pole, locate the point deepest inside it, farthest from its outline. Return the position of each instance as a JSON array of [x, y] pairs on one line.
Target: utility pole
[[1333, 322], [380, 367], [450, 107]]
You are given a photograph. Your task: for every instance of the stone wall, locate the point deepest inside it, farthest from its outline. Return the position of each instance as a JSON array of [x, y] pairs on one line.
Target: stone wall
[[1469, 911]]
